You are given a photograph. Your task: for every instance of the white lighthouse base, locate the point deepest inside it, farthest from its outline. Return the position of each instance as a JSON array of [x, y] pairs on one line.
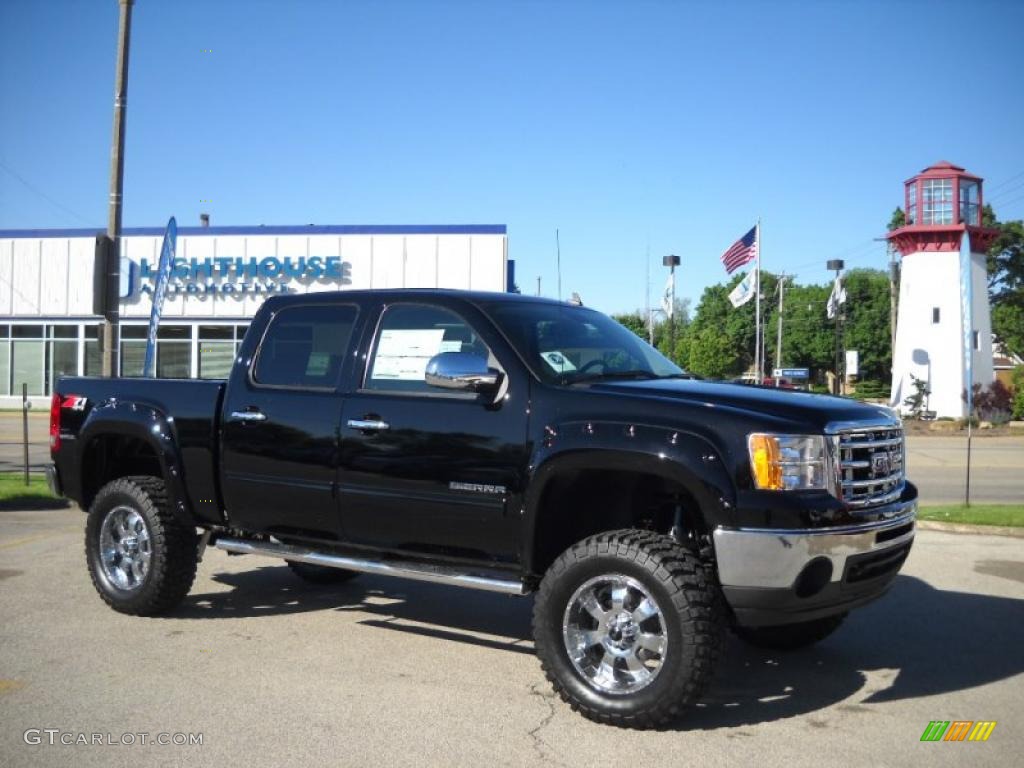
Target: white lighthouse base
[[930, 348]]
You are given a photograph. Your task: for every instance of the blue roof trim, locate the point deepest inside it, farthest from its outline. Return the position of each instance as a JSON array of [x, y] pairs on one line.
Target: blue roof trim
[[291, 229]]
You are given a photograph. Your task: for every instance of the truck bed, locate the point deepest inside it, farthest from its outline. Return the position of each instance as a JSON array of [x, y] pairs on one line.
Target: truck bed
[[191, 409]]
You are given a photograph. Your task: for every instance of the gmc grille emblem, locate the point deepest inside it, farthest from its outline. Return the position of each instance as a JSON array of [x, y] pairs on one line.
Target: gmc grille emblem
[[881, 465]]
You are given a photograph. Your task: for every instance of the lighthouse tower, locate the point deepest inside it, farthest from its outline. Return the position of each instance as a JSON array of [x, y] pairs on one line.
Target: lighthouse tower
[[943, 206]]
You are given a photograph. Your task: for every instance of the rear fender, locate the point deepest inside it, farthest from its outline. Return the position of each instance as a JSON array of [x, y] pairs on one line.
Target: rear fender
[[143, 422]]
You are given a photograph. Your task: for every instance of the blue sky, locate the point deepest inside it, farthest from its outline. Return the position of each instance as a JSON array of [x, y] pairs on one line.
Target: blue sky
[[628, 126]]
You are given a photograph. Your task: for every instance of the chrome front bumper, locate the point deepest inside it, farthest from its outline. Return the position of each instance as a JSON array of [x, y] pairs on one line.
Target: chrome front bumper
[[773, 558]]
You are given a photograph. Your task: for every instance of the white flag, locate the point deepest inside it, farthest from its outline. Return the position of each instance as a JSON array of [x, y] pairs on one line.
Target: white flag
[[666, 298], [744, 291], [837, 297]]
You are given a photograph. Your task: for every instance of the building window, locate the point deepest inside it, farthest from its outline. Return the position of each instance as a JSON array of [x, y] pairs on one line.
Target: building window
[[5, 359], [93, 357], [216, 351], [970, 211], [912, 202], [975, 340], [133, 349], [937, 201], [174, 352], [935, 315]]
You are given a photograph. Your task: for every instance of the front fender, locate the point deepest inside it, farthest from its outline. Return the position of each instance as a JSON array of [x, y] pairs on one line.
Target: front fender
[[152, 427], [686, 458]]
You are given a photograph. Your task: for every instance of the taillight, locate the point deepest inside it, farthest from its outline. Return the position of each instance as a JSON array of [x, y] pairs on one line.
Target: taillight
[[55, 402]]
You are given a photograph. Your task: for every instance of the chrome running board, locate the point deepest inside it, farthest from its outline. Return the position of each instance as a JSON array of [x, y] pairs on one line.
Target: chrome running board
[[402, 569]]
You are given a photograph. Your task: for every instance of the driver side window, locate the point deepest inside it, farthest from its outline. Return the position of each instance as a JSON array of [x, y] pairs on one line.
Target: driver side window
[[408, 336]]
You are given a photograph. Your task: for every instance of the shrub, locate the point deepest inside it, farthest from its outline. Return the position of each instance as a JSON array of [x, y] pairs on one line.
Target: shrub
[[1017, 383], [991, 403]]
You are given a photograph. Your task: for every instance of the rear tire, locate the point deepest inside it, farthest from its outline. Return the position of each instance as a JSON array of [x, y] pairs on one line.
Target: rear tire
[[628, 627], [142, 561], [791, 637], [320, 574]]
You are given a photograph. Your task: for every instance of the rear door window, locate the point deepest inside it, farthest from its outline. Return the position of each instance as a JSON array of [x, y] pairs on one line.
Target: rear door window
[[305, 346]]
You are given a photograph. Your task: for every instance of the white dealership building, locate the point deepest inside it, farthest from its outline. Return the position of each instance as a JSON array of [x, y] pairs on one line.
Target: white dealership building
[[49, 321]]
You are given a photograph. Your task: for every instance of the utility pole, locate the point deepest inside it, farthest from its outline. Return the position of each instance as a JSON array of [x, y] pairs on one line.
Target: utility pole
[[113, 245], [778, 340]]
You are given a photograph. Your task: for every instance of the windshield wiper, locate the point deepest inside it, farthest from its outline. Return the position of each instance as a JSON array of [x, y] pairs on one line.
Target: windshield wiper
[[633, 374]]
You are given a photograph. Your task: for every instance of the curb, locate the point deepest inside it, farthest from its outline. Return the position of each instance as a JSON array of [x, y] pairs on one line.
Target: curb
[[991, 530]]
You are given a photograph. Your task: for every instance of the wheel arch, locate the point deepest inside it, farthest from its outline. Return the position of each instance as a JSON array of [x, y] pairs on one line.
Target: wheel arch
[[687, 464], [121, 439]]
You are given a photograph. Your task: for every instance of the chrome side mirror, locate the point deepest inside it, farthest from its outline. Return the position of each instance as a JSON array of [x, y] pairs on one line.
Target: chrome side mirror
[[461, 370]]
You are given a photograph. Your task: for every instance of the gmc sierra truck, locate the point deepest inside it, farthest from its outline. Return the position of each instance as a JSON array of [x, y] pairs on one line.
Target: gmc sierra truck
[[503, 443]]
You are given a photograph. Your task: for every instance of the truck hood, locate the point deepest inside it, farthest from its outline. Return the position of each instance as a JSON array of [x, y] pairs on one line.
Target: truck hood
[[789, 405]]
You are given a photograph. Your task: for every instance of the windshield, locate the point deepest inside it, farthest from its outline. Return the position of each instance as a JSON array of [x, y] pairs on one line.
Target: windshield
[[566, 344]]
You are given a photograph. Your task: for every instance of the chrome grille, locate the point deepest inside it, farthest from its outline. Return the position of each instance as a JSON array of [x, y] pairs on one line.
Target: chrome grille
[[869, 465]]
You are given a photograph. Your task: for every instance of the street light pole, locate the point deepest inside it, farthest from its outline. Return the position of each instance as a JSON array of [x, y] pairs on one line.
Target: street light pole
[[112, 260], [778, 340]]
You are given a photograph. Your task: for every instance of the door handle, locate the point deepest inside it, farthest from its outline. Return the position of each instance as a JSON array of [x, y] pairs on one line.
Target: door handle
[[247, 416], [369, 425]]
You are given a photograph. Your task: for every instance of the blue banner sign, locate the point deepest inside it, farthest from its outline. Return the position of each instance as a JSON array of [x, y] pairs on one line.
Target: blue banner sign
[[159, 292]]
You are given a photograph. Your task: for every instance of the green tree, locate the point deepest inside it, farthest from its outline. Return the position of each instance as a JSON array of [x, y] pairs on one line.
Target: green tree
[[734, 325], [808, 336], [898, 219], [866, 322], [1005, 261]]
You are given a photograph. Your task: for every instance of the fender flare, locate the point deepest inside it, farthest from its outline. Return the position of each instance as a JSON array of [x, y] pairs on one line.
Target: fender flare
[[687, 458], [113, 418]]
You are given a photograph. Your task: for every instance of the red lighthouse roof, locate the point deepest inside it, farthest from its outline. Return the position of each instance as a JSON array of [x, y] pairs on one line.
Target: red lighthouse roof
[[943, 203], [943, 170]]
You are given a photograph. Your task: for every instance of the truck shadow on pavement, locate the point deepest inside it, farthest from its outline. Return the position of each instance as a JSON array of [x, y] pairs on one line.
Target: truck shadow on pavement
[[916, 641]]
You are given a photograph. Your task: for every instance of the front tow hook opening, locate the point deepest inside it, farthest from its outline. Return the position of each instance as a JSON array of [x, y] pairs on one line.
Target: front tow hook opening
[[814, 577]]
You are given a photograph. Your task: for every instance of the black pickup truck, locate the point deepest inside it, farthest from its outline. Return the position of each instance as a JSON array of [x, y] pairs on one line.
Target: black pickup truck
[[503, 443]]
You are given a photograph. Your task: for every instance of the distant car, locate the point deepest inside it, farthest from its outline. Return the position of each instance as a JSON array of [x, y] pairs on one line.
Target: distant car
[[768, 381]]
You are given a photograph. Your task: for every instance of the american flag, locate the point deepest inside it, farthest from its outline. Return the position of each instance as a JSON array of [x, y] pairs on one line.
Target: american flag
[[743, 251]]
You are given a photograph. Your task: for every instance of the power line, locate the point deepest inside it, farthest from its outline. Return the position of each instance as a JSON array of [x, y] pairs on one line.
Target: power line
[[42, 194], [1004, 182]]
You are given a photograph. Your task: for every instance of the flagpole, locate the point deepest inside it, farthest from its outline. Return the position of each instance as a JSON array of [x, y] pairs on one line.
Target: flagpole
[[757, 308]]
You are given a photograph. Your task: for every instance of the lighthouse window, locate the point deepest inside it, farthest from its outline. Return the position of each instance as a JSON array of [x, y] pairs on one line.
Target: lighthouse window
[[937, 201], [970, 211], [912, 203], [974, 340], [935, 314]]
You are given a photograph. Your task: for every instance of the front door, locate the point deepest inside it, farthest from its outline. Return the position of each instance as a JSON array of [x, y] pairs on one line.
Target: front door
[[281, 416], [430, 470]]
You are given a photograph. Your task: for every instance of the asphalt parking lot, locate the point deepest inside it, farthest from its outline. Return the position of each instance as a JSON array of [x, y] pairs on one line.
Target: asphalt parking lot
[[383, 672]]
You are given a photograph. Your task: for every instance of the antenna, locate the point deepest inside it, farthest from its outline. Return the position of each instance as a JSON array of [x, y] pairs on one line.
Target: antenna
[[558, 263]]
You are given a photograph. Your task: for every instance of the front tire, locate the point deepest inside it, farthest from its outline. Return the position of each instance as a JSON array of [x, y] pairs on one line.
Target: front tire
[[628, 627], [141, 559], [791, 637]]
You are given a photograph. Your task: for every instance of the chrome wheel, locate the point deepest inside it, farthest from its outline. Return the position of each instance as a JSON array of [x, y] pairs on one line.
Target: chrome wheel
[[615, 634], [125, 548]]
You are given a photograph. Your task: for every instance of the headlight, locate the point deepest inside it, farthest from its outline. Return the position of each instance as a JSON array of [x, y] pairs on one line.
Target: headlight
[[787, 462]]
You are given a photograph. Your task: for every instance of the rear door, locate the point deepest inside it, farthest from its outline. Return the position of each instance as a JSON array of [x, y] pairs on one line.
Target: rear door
[[279, 453], [431, 470]]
